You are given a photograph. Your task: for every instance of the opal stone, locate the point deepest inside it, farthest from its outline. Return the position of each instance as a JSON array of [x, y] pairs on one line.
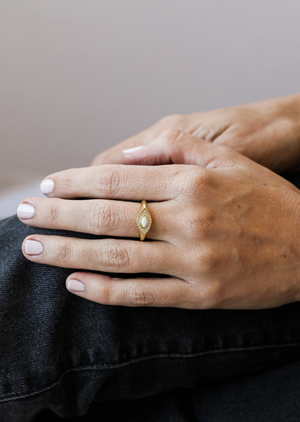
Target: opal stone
[[144, 222]]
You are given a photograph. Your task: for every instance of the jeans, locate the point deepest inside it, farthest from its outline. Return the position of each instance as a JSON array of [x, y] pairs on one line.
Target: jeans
[[61, 352]]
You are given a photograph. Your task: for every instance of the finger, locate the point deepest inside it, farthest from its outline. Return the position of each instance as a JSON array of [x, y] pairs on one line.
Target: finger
[[114, 154], [175, 147], [114, 182], [158, 292], [98, 217], [110, 255]]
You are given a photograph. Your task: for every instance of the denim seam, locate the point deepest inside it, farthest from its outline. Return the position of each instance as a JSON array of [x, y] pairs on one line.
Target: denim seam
[[18, 396]]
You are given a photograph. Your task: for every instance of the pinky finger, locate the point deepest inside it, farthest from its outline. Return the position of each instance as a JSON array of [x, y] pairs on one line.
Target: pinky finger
[[156, 292]]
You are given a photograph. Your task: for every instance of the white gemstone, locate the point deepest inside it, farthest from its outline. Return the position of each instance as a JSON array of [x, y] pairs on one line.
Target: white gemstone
[[144, 222]]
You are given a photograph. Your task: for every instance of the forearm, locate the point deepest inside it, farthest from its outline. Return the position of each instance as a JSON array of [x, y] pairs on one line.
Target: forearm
[[284, 112], [268, 132]]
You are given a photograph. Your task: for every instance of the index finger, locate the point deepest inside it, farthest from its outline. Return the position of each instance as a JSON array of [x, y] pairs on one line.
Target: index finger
[[115, 181], [114, 155]]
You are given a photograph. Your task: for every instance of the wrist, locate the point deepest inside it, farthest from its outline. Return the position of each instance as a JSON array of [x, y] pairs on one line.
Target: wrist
[[280, 119], [285, 112]]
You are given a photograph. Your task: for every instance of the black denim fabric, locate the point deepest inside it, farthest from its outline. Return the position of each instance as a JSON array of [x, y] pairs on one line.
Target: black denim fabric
[[61, 352]]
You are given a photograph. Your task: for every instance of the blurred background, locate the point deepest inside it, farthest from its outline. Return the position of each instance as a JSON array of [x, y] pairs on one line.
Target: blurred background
[[78, 76]]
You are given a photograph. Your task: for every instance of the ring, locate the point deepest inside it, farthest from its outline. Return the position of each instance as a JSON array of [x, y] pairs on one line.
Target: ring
[[143, 220]]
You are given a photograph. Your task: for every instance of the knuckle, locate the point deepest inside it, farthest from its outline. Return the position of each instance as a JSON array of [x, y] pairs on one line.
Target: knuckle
[[102, 218], [107, 216], [63, 252], [199, 180], [116, 256], [138, 297], [208, 260], [104, 294], [206, 296], [54, 214], [171, 135], [214, 296], [108, 182]]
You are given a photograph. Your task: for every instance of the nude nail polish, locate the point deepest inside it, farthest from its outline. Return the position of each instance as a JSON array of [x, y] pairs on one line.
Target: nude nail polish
[[75, 286], [130, 150], [25, 211], [33, 247], [47, 186]]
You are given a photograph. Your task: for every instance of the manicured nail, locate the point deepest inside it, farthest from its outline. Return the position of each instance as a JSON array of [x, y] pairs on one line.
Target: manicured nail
[[47, 186], [25, 211], [75, 286], [33, 247], [130, 150]]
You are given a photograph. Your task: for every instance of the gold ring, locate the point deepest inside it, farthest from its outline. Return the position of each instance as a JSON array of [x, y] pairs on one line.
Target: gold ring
[[143, 220]]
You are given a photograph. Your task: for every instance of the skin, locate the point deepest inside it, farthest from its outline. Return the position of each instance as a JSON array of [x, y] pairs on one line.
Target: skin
[[223, 228], [268, 132]]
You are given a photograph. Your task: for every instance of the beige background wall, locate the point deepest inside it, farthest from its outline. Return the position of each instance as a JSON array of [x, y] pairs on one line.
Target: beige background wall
[[77, 76]]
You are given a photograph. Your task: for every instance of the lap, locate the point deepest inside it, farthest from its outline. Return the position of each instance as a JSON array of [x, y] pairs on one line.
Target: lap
[[62, 352]]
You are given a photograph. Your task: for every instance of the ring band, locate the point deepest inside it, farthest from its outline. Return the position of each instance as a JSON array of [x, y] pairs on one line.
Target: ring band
[[143, 220]]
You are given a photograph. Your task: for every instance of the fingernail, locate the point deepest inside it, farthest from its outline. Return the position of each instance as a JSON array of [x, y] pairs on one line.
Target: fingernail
[[47, 186], [33, 247], [25, 211], [75, 286], [130, 150]]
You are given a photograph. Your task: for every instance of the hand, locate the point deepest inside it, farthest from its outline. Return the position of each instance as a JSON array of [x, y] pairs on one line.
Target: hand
[[268, 132], [224, 228]]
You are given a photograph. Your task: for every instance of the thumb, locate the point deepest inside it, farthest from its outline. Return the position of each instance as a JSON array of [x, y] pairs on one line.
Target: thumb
[[175, 147]]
